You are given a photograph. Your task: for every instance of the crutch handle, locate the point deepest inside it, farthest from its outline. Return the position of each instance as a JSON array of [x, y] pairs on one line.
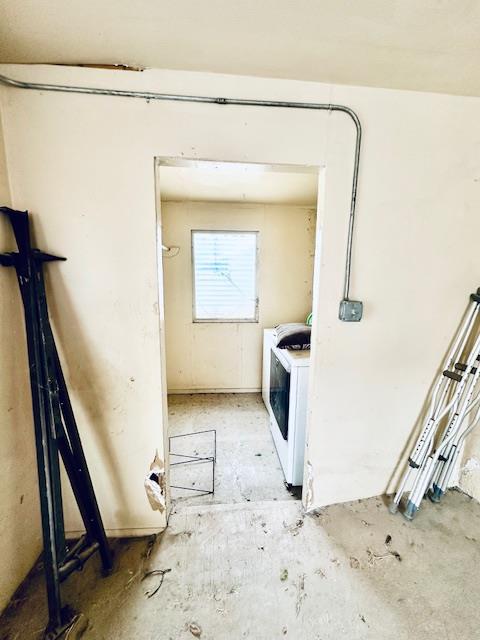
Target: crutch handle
[[475, 297]]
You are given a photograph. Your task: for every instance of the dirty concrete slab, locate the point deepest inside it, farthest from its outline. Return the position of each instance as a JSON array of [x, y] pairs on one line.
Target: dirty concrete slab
[[247, 470], [264, 571], [247, 562]]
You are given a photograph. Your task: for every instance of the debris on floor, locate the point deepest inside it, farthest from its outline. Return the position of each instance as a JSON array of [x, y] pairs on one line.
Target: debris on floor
[[301, 595], [395, 554], [77, 628], [140, 570], [295, 492], [373, 557], [294, 529], [195, 629], [155, 572]]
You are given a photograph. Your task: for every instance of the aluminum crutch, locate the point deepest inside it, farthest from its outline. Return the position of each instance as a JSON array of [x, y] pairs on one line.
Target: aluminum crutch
[[438, 397], [424, 478], [425, 441]]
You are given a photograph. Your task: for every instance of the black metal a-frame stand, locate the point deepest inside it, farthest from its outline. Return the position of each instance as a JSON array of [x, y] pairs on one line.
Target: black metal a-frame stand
[[56, 433]]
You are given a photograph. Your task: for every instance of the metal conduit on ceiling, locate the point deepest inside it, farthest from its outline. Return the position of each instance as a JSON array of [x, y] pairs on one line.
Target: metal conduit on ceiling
[[349, 310]]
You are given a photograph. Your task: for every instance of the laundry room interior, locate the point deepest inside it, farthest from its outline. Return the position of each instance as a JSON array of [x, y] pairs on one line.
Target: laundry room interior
[[238, 254]]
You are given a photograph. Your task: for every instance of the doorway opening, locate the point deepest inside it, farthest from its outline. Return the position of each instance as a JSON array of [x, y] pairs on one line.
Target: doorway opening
[[237, 247]]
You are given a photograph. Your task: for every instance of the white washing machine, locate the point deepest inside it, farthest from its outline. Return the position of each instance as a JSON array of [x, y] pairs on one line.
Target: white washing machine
[[285, 394]]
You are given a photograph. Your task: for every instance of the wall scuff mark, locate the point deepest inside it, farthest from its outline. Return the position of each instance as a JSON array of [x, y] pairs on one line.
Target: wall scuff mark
[[309, 484]]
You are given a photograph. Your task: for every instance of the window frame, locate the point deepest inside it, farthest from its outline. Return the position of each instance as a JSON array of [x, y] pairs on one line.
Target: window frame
[[255, 318]]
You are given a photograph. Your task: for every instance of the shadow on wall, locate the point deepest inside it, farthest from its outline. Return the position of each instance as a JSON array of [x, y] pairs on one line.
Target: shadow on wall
[[399, 469], [19, 502], [88, 383]]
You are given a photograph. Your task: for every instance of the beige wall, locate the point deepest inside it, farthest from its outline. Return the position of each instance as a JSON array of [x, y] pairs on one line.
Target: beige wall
[[84, 166], [20, 534], [108, 234], [415, 264], [228, 356]]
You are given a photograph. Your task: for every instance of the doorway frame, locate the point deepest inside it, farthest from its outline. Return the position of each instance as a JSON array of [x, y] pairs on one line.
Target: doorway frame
[[182, 161]]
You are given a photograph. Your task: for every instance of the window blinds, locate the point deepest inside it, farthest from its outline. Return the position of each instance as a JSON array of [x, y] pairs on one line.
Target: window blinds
[[224, 275]]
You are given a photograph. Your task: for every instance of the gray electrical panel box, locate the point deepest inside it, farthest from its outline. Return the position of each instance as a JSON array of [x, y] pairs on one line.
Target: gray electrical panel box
[[350, 311]]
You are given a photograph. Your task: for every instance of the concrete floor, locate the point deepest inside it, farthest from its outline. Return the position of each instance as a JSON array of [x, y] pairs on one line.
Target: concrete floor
[[263, 570], [247, 470]]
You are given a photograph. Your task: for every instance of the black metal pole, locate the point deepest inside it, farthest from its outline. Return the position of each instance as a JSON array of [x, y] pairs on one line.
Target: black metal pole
[[41, 416], [52, 402], [93, 519]]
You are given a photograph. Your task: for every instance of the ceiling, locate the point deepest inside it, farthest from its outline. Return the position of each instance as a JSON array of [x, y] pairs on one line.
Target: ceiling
[[427, 45], [204, 181]]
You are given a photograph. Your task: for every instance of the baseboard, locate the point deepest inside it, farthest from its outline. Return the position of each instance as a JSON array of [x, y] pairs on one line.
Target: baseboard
[[174, 392]]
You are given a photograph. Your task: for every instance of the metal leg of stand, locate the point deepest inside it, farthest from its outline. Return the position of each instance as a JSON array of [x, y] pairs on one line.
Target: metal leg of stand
[[93, 520]]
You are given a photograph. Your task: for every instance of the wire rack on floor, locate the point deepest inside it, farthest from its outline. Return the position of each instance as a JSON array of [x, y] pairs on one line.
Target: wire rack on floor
[[195, 459]]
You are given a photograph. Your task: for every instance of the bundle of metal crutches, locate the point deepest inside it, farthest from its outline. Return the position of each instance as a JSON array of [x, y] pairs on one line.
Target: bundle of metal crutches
[[453, 412]]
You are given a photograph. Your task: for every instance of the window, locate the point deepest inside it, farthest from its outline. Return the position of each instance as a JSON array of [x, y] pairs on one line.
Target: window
[[224, 276]]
